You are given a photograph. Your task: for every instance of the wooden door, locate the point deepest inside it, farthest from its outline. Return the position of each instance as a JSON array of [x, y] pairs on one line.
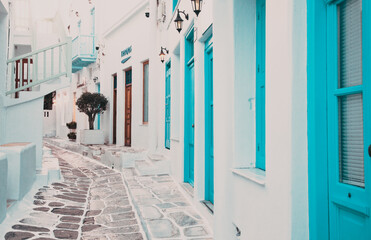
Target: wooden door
[[114, 124], [128, 98]]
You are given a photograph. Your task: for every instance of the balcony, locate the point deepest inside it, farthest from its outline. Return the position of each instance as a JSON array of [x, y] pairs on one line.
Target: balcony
[[83, 52]]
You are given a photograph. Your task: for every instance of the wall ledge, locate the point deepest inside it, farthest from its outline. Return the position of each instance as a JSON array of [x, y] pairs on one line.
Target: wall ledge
[[252, 174]]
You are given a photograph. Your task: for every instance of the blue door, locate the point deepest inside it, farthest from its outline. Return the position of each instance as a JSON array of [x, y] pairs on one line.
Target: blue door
[[209, 123], [189, 126], [349, 125], [260, 85], [167, 105]]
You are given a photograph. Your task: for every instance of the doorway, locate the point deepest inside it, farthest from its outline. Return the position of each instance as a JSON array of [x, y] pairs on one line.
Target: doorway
[[189, 123], [209, 123], [128, 103], [114, 123]]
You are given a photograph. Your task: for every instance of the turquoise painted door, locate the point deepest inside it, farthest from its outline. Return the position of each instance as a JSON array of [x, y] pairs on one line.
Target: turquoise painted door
[[209, 123], [260, 85], [349, 125], [189, 110], [167, 105], [190, 126]]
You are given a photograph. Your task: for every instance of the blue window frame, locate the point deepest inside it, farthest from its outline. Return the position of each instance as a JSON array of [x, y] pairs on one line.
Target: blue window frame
[[167, 104], [145, 91], [260, 84]]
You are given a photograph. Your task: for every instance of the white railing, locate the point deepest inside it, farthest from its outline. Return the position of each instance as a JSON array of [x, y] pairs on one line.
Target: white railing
[[32, 69], [83, 46]]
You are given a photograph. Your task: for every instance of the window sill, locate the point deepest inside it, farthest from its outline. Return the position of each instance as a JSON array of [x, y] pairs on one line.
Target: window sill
[[253, 174]]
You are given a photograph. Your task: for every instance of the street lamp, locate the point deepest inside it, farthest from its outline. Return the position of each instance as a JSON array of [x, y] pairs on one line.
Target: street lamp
[[197, 6], [179, 21], [162, 54]]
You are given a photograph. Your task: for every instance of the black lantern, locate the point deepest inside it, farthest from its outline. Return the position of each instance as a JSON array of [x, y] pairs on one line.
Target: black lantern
[[197, 6], [162, 54], [179, 21]]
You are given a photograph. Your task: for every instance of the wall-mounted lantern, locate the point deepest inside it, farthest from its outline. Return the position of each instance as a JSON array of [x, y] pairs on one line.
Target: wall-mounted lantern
[[197, 6], [179, 21], [162, 54]]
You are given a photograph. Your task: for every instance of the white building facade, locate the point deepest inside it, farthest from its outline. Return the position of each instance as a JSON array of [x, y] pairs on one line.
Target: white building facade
[[251, 135]]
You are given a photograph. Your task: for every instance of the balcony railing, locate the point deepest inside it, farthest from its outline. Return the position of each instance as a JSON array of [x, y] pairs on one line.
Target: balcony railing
[[34, 68], [83, 51]]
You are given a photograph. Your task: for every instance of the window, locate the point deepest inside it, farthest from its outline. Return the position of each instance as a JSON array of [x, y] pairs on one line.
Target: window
[[145, 91], [167, 105], [260, 84]]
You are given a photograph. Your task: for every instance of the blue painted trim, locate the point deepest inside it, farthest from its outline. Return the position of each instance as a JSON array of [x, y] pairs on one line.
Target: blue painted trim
[[175, 2], [189, 109], [317, 121], [260, 84], [167, 104], [209, 122]]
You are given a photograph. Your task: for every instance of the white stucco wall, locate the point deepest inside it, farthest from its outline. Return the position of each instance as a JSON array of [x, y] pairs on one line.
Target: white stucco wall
[[21, 169], [49, 123], [3, 185], [25, 124], [278, 200], [134, 33], [3, 58]]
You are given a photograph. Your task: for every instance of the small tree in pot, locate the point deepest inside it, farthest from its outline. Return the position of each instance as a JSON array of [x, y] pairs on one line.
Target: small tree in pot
[[92, 104]]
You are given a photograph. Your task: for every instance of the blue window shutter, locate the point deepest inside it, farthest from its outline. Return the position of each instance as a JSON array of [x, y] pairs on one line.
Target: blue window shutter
[[260, 85], [167, 105]]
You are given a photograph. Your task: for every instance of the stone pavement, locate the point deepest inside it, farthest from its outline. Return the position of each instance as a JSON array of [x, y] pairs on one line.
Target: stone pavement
[[91, 203], [96, 202], [165, 211]]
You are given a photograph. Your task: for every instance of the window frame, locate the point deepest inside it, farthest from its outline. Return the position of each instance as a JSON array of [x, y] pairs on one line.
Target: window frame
[[145, 121]]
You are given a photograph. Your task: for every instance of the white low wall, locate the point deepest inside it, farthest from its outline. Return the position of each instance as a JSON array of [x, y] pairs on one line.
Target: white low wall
[[3, 185], [24, 123], [91, 137], [21, 168]]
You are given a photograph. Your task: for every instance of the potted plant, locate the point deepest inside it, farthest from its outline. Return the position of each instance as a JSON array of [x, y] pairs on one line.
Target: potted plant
[[92, 104], [72, 136], [72, 127]]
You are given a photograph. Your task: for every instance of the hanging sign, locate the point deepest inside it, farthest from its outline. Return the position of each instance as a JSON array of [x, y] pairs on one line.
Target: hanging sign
[[124, 53]]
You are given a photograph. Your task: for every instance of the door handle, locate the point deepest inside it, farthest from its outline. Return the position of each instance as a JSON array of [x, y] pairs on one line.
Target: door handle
[[369, 150], [194, 126]]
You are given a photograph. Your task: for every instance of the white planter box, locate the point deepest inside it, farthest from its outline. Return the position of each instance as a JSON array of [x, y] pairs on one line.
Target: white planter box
[[91, 136]]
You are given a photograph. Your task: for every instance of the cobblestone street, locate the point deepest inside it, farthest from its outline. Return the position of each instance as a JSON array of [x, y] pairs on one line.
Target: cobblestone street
[[93, 202]]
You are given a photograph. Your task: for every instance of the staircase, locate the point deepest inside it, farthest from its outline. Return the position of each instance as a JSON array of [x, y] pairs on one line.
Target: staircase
[[41, 72], [51, 65]]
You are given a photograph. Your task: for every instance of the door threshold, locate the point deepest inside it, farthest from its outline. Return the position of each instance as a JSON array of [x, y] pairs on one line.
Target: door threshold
[[209, 205], [188, 188]]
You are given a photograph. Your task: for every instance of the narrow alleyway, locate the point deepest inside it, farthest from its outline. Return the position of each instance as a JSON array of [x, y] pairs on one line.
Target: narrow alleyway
[[93, 202]]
